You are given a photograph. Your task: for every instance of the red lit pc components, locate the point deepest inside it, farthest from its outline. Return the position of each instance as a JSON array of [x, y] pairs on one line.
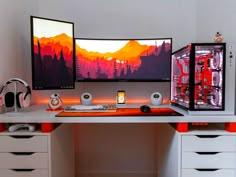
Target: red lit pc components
[[198, 75]]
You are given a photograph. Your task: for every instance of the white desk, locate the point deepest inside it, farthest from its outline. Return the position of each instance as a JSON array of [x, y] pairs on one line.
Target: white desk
[[38, 114], [169, 150]]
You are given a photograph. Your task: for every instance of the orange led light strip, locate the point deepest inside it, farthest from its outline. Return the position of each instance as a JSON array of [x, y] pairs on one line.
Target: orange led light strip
[[101, 101]]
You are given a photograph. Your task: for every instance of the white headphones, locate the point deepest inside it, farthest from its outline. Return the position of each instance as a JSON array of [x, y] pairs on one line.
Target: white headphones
[[22, 98]]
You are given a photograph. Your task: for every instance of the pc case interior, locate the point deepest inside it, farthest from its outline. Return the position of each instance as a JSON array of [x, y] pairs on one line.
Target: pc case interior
[[198, 77]]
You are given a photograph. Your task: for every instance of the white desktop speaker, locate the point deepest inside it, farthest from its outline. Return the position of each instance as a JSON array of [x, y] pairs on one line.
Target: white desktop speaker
[[86, 99], [156, 98]]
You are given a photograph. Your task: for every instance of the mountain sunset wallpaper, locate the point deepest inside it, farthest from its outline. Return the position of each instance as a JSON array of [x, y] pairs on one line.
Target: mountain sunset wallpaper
[[52, 54], [114, 59]]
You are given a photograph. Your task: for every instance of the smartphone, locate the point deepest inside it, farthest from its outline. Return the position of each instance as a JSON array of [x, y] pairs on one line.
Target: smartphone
[[121, 97]]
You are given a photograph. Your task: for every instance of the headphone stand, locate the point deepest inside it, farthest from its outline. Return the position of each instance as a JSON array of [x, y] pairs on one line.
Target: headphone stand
[[15, 91], [14, 99], [15, 105]]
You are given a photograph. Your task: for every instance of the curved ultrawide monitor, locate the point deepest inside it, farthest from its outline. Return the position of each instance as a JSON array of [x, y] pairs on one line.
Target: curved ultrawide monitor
[[123, 59]]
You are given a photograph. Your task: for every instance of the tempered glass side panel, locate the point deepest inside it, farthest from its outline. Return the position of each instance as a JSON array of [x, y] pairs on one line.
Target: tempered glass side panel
[[180, 77], [208, 83]]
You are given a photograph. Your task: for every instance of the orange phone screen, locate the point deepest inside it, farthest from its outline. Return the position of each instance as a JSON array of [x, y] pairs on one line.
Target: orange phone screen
[[121, 97]]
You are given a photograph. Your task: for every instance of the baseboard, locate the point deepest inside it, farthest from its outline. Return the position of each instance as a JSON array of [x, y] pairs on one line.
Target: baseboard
[[117, 174]]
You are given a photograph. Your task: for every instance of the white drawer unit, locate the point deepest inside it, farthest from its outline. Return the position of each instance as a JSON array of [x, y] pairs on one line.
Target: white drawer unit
[[208, 143], [208, 160], [36, 154], [208, 155], [24, 160], [208, 173], [24, 173], [26, 143]]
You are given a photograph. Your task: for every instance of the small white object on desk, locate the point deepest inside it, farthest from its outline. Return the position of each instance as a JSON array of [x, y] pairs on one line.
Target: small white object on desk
[[16, 127], [86, 99], [156, 98]]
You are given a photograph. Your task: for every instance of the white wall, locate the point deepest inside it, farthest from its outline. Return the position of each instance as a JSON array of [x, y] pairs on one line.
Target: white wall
[[220, 16], [113, 150], [213, 16], [184, 21], [124, 19], [102, 19], [15, 50], [127, 19]]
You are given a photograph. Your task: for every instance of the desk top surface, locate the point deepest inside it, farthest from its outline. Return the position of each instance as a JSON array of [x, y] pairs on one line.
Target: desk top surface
[[38, 114]]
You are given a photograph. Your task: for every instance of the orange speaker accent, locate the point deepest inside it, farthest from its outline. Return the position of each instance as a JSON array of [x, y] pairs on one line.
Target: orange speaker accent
[[67, 100]]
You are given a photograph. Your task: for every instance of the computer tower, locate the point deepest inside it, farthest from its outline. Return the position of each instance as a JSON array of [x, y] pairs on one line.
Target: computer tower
[[198, 77]]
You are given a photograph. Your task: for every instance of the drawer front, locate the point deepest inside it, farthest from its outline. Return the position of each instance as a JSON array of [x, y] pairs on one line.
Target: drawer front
[[24, 143], [208, 173], [218, 160], [209, 143], [24, 161], [24, 173]]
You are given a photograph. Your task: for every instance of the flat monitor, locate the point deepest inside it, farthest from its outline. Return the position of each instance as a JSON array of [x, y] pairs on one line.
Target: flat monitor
[[123, 59], [52, 44]]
